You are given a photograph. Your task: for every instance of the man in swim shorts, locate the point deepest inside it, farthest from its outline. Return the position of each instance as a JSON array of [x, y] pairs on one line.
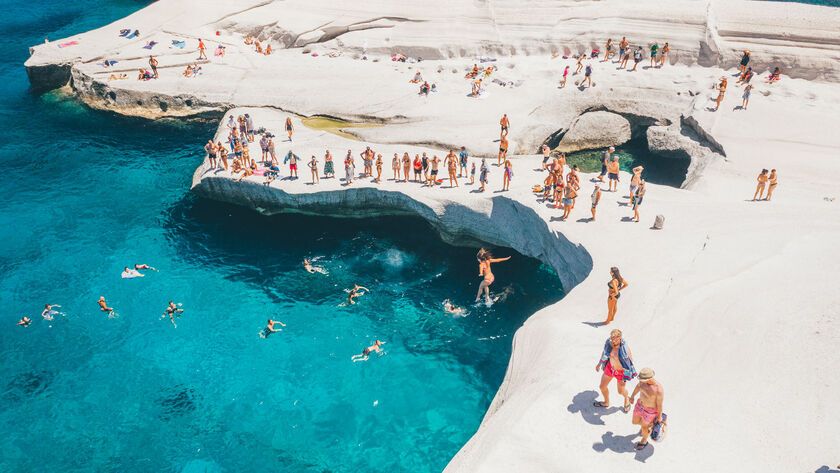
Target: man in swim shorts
[[605, 160], [648, 409], [376, 347], [505, 124], [612, 173], [103, 306], [462, 161], [616, 362], [269, 327], [24, 321], [503, 148]]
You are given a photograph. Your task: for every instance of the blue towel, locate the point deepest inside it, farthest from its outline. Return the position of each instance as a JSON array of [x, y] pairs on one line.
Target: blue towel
[[179, 44]]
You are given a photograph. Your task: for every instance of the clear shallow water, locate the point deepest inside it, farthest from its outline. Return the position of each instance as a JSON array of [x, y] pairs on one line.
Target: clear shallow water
[[87, 193], [670, 171]]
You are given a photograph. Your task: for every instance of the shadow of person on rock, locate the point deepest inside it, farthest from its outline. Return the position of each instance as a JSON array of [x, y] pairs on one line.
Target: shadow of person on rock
[[827, 469], [583, 403], [623, 444]]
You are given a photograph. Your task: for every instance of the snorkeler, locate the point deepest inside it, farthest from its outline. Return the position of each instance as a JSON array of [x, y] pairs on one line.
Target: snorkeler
[[129, 273], [355, 292], [453, 309], [48, 311], [172, 310], [376, 347], [485, 259], [307, 265], [269, 327], [24, 321]]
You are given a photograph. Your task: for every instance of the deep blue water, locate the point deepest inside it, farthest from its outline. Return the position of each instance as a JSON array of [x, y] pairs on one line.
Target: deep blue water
[[86, 193]]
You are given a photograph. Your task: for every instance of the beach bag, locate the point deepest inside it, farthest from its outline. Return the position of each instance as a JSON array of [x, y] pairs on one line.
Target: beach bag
[[659, 222]]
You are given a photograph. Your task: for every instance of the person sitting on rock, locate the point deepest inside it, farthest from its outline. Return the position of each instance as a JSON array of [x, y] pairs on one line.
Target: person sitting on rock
[[188, 71], [424, 89], [418, 78]]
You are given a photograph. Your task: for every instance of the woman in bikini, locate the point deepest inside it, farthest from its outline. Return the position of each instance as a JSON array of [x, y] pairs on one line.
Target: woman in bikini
[[485, 259], [406, 166], [379, 167], [289, 128], [615, 286], [774, 181], [721, 92], [762, 183]]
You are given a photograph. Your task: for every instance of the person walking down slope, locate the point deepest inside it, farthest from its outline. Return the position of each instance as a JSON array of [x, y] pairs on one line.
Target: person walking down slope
[[202, 50], [648, 409], [616, 362]]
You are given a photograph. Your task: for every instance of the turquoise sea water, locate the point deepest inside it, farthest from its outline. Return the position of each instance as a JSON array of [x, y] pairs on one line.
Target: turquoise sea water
[[86, 193]]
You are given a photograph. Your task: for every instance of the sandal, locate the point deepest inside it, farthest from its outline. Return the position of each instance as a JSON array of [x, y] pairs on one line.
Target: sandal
[[599, 404], [641, 446]]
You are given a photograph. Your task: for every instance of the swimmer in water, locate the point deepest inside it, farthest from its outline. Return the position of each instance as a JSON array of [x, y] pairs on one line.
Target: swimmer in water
[[376, 347], [269, 327], [129, 273], [485, 259], [144, 266], [103, 306], [48, 311], [356, 292], [172, 310], [307, 265], [451, 308], [24, 321]]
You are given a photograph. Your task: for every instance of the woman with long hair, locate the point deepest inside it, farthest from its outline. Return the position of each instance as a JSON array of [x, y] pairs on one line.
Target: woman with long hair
[[485, 259], [616, 284]]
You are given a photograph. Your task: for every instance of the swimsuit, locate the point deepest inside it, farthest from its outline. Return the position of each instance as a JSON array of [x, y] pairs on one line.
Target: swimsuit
[[613, 176], [648, 414], [614, 373]]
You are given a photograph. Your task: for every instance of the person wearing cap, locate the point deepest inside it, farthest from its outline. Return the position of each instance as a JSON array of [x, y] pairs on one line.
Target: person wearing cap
[[616, 362], [648, 409], [605, 160]]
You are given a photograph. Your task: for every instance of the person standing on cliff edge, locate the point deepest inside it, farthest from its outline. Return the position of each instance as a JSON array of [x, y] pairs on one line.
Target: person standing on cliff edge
[[153, 63], [202, 50], [616, 362]]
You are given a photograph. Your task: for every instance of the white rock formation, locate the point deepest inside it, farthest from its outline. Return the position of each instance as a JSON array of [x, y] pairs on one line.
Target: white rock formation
[[595, 130], [732, 303]]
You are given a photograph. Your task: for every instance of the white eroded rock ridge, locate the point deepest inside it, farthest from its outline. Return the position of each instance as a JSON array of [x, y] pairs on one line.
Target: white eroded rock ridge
[[731, 303]]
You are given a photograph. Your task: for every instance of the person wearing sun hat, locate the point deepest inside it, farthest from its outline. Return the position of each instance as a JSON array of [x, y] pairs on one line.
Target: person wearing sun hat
[[649, 408]]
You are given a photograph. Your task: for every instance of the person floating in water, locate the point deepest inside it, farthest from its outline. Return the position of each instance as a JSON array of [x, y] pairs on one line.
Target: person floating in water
[[307, 265], [129, 273], [376, 347], [143, 266], [269, 327], [48, 311], [451, 308], [172, 310], [485, 259], [649, 408], [103, 306], [24, 321], [616, 362], [356, 292]]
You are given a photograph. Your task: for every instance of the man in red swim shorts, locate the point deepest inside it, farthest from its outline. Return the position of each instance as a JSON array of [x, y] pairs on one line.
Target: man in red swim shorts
[[617, 362]]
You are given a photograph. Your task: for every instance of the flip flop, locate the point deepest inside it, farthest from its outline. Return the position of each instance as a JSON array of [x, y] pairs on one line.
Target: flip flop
[[641, 446], [599, 404]]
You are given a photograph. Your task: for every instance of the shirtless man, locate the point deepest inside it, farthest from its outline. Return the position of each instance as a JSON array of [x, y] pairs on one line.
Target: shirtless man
[[48, 311], [503, 149], [546, 152], [24, 321], [616, 362], [773, 181], [103, 306], [451, 162], [269, 327], [129, 273], [153, 63], [605, 160], [376, 347], [463, 157], [453, 309], [612, 172], [648, 409], [505, 124], [172, 310], [596, 197], [309, 267], [210, 148], [435, 161], [356, 292], [635, 180], [622, 48]]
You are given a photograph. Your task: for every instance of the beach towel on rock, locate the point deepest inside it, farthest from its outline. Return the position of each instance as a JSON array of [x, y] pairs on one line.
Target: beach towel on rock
[[178, 44], [150, 45], [68, 44]]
